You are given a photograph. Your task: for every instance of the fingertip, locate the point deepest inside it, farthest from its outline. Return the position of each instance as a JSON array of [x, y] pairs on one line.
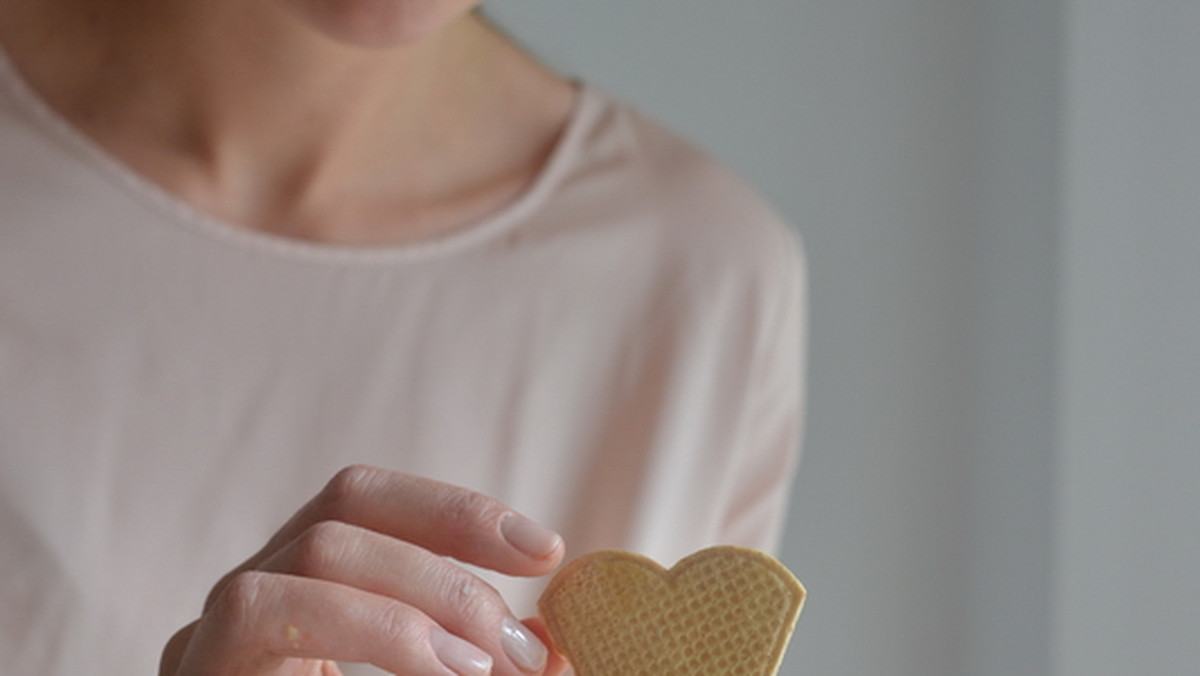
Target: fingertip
[[530, 538], [556, 664], [458, 655], [538, 626]]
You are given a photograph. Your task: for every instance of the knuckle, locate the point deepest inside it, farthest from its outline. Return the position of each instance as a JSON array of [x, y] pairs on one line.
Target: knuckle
[[243, 594], [400, 625], [321, 548], [344, 487], [464, 511], [470, 600]]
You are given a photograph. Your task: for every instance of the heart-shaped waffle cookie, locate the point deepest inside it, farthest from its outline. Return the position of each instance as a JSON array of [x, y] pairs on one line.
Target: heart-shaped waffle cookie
[[723, 611]]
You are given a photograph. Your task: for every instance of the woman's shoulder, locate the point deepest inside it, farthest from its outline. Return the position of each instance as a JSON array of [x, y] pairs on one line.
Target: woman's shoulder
[[630, 163]]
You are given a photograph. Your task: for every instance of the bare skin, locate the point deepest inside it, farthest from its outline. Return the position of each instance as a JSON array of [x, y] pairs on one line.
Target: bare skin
[[359, 574], [289, 117], [363, 122]]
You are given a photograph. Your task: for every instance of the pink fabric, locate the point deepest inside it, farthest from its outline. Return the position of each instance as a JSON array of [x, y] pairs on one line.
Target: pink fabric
[[616, 354]]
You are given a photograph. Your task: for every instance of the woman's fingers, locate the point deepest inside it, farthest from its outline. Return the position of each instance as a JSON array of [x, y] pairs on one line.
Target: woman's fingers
[[455, 599], [360, 574], [261, 619], [445, 519], [556, 664], [172, 653]]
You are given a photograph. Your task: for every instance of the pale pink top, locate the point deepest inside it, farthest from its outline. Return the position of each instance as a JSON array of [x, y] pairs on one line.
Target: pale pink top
[[617, 353]]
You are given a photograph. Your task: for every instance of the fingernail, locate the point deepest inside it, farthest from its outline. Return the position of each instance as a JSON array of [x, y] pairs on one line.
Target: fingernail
[[522, 647], [458, 655], [531, 539]]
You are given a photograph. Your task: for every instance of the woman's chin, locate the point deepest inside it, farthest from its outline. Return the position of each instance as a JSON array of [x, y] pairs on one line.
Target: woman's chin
[[381, 24]]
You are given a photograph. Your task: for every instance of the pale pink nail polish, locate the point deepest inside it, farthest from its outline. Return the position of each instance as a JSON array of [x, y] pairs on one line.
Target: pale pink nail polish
[[522, 646], [529, 538], [458, 655]]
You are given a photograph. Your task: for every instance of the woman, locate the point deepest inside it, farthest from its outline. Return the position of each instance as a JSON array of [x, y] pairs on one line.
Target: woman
[[245, 243]]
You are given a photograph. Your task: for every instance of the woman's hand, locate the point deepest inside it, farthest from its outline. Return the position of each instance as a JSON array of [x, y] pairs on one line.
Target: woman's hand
[[359, 574]]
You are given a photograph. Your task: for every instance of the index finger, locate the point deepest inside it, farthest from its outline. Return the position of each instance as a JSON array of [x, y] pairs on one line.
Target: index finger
[[445, 519]]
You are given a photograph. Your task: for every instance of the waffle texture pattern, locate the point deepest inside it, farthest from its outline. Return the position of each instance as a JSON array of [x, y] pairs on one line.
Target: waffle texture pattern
[[723, 611]]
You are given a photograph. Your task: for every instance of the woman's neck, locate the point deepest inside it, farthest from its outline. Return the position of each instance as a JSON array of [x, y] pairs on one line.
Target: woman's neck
[[249, 114]]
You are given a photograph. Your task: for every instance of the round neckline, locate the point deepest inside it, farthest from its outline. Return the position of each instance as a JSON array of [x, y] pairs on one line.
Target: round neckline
[[154, 196]]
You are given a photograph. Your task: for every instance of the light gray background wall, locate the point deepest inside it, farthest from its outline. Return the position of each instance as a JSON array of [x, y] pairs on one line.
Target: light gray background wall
[[1128, 527], [1001, 205]]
